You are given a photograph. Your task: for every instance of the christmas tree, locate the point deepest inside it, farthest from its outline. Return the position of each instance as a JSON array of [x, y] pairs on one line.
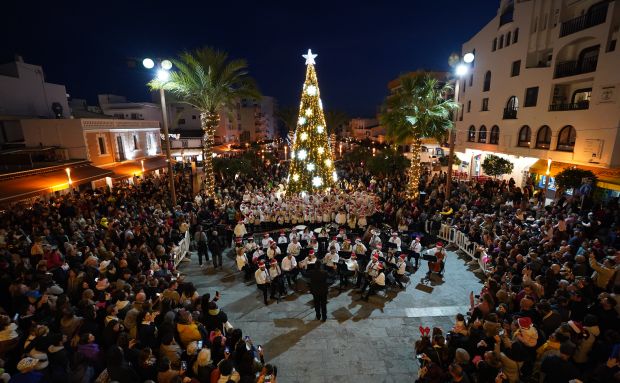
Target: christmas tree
[[312, 164]]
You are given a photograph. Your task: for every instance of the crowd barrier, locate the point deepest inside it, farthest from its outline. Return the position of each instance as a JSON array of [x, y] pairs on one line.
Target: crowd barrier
[[451, 235], [180, 251]]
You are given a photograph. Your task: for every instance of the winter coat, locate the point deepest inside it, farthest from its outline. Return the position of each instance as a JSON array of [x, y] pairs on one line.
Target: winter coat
[[583, 349]]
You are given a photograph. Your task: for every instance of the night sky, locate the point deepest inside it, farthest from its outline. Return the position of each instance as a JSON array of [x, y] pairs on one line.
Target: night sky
[[86, 45]]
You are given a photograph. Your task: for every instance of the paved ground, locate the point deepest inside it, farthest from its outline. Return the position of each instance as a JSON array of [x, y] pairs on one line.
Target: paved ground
[[360, 342]]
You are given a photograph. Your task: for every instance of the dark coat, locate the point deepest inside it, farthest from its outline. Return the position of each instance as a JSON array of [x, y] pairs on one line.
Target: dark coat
[[318, 281]]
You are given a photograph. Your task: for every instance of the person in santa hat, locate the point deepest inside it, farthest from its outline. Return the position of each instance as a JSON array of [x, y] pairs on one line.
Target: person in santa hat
[[377, 283], [401, 269], [290, 270], [294, 248], [293, 234], [348, 269], [251, 245], [243, 264], [263, 280], [346, 246], [395, 239], [440, 254], [265, 241], [273, 251], [334, 242], [282, 239], [415, 251], [240, 229], [277, 279]]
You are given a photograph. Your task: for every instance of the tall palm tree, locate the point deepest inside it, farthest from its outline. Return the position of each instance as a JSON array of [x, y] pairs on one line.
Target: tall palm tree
[[418, 109], [207, 80]]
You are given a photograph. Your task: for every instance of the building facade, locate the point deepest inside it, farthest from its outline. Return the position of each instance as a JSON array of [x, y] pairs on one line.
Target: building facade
[[543, 86]]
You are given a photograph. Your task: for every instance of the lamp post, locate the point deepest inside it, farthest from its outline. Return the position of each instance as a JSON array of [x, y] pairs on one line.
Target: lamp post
[[163, 75], [461, 70]]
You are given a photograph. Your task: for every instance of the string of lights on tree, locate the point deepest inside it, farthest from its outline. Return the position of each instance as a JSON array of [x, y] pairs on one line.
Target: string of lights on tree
[[312, 163]]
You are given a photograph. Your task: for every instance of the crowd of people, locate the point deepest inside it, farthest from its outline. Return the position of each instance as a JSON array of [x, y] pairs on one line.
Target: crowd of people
[[90, 293]]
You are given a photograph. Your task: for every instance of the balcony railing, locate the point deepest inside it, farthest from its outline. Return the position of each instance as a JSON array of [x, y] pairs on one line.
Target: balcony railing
[[573, 68], [510, 113], [574, 106], [590, 19]]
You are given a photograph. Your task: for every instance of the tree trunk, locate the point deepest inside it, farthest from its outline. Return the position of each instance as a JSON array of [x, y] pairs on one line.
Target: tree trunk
[[209, 122], [414, 170]]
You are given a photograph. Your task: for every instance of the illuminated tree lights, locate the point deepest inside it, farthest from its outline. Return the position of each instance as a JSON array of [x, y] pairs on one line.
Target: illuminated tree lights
[[312, 165]]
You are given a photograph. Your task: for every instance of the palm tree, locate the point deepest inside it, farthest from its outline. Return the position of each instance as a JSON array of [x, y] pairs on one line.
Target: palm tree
[[288, 116], [418, 109], [207, 80]]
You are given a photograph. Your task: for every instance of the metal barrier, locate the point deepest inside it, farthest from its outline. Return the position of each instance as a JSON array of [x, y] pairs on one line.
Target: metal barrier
[[460, 239], [180, 251]]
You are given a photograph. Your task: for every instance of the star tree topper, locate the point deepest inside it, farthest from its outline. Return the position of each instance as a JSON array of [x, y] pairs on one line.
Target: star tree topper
[[309, 57]]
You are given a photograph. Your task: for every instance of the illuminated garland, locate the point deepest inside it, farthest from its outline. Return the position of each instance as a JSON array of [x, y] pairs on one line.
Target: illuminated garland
[[312, 163], [209, 122]]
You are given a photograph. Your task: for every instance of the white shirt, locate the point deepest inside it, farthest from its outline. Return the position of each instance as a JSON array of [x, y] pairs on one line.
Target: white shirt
[[275, 271], [379, 280], [289, 263], [262, 276], [265, 242], [416, 246], [396, 241], [331, 259], [359, 249], [371, 268], [242, 260], [335, 244], [282, 239], [240, 230], [293, 248], [352, 265], [273, 251], [402, 266], [292, 235]]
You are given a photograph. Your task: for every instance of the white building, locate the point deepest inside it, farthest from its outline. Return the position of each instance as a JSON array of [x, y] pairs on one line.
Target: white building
[[119, 108], [24, 93], [544, 86], [362, 128]]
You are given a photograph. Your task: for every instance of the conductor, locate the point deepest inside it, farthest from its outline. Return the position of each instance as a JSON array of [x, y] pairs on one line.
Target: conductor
[[319, 288]]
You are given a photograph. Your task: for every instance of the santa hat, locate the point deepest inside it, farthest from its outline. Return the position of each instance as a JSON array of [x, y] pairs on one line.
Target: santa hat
[[394, 234], [524, 322], [577, 327], [261, 264], [238, 240], [379, 265], [439, 244], [358, 240], [251, 239], [311, 252], [334, 238], [418, 238], [353, 256], [273, 261], [282, 232], [403, 256], [375, 254], [378, 245]]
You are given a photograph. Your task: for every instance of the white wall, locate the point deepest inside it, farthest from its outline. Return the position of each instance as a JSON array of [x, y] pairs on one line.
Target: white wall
[[65, 133]]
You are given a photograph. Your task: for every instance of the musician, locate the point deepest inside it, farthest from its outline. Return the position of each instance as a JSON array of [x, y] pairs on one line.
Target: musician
[[359, 249], [416, 250], [240, 229], [440, 254], [334, 242], [257, 256], [341, 217], [265, 241], [273, 251], [314, 245], [377, 283], [307, 235], [346, 246], [401, 268], [242, 263], [263, 280], [282, 238], [348, 268], [331, 259], [323, 233], [277, 279], [375, 239], [342, 234], [294, 247], [390, 258], [250, 246], [309, 260], [395, 240], [293, 234], [289, 268]]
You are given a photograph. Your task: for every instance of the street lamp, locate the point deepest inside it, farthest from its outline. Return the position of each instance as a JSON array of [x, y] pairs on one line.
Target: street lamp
[[461, 70], [69, 180], [163, 75]]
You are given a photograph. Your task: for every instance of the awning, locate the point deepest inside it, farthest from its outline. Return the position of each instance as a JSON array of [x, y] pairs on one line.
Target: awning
[[135, 168], [607, 178], [39, 184]]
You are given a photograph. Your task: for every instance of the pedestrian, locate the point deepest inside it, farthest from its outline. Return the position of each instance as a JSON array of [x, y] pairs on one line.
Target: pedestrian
[[319, 288], [200, 237]]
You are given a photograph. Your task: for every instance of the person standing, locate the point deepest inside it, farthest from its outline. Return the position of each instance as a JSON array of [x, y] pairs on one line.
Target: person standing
[[263, 280], [216, 249], [318, 288], [202, 245]]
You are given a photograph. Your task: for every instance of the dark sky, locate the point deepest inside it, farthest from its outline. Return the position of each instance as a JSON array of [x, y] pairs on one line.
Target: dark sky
[[361, 44]]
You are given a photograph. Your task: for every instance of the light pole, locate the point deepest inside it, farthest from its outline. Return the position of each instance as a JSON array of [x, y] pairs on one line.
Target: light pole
[[163, 75], [461, 70]]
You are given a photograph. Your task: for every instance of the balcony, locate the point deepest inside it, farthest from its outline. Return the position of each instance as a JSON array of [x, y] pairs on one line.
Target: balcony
[[573, 68], [594, 17], [565, 107], [510, 113]]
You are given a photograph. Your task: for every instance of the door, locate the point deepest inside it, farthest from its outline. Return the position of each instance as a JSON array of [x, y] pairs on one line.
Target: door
[[121, 148]]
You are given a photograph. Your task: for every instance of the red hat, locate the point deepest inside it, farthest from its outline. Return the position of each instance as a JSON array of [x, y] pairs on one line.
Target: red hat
[[375, 256], [240, 221], [524, 322], [334, 238], [403, 255], [418, 238], [273, 261], [311, 252], [394, 233], [353, 256], [379, 265], [261, 264], [281, 231], [238, 240], [439, 244], [379, 245], [575, 326]]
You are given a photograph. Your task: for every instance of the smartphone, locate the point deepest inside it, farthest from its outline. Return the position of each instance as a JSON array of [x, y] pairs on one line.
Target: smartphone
[[184, 365], [227, 350], [260, 348], [158, 294], [200, 344], [96, 280], [247, 338], [16, 317]]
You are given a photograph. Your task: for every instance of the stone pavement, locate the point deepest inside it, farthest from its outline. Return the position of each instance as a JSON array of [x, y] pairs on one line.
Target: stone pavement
[[360, 342]]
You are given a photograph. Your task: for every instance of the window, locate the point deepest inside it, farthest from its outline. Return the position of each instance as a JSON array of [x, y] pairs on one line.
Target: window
[[487, 81], [181, 121], [134, 116], [494, 139], [515, 36], [516, 68], [494, 45], [471, 80], [482, 134], [485, 104], [102, 147], [501, 41], [510, 112], [508, 38], [135, 142], [566, 139], [543, 137], [531, 96], [581, 96], [525, 135], [468, 106], [193, 116], [471, 134]]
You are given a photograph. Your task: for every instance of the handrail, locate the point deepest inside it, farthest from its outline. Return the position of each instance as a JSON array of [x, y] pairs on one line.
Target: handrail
[[584, 21]]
